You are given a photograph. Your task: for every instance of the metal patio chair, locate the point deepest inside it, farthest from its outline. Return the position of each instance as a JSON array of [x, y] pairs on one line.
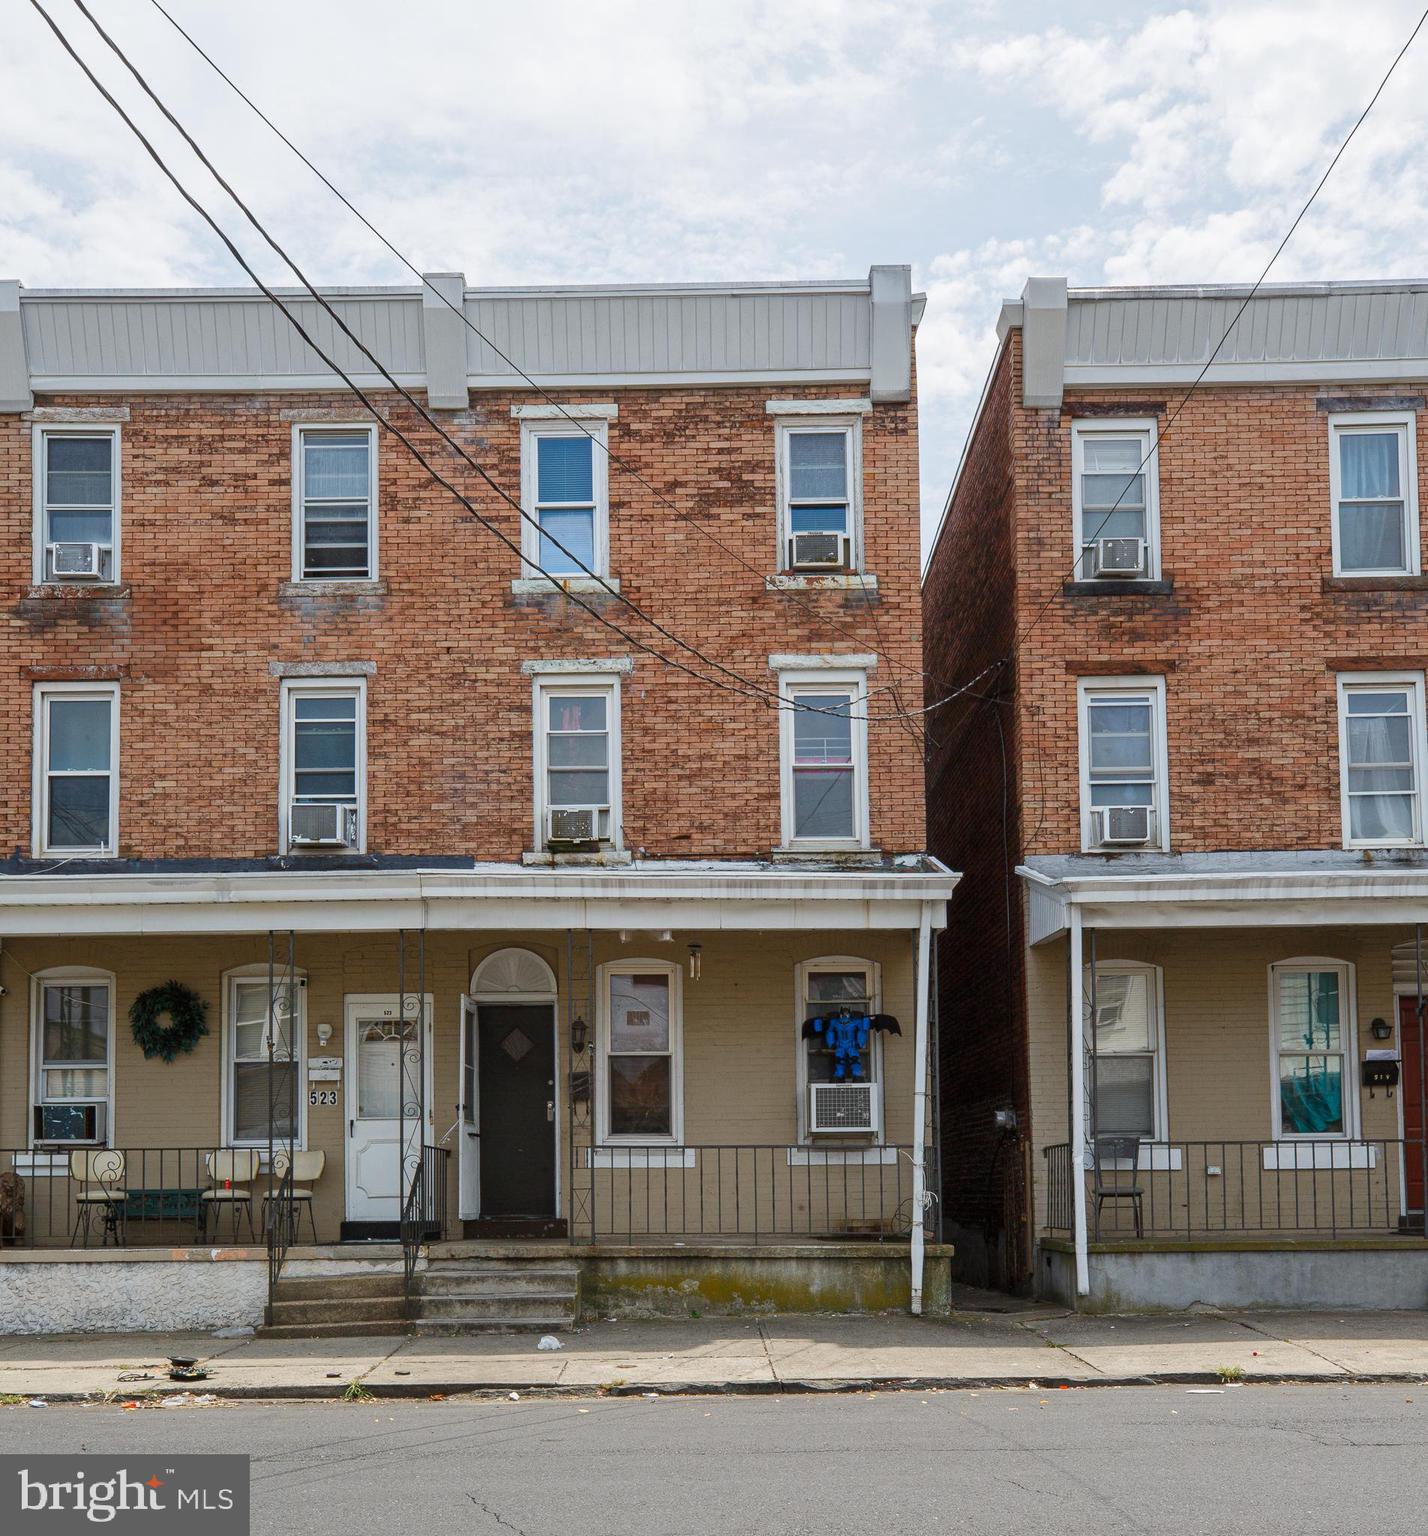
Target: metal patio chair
[[232, 1170], [101, 1193], [1117, 1183], [307, 1170]]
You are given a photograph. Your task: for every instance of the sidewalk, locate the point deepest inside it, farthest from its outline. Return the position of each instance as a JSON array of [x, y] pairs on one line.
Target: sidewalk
[[771, 1354]]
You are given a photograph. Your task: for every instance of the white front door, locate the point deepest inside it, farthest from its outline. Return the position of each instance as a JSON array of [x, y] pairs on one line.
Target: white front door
[[468, 1128], [384, 1097]]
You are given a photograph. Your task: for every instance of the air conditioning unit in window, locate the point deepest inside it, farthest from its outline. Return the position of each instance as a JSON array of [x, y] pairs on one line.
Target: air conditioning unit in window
[[1123, 825], [817, 551], [65, 1124], [322, 825], [77, 562], [576, 826], [1121, 558], [848, 1108]]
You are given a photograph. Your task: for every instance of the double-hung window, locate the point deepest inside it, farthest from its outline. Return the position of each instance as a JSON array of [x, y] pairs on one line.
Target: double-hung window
[[77, 504], [565, 484], [76, 768], [640, 1049], [1381, 738], [824, 741], [832, 989], [1373, 480], [1115, 495], [1312, 1040], [335, 503], [263, 1050], [577, 762], [324, 764], [73, 1046], [1129, 1052], [1124, 801], [820, 493]]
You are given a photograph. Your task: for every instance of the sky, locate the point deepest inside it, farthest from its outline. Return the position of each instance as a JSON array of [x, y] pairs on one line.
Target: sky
[[664, 141]]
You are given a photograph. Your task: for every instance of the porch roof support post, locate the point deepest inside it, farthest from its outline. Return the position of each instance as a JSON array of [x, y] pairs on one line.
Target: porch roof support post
[[921, 1015], [1076, 1020]]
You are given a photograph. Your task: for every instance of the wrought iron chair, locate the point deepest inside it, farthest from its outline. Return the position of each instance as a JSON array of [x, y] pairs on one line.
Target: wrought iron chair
[[232, 1170], [307, 1170], [1113, 1182], [101, 1192]]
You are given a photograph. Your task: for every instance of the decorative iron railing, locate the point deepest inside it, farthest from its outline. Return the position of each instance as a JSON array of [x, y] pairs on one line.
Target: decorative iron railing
[[1203, 1189], [280, 1219], [423, 1214]]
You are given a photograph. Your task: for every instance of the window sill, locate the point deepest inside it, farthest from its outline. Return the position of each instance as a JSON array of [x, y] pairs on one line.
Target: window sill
[[357, 587], [545, 586], [49, 1165], [640, 1155], [814, 581], [1374, 584], [1151, 1158], [1292, 1156], [79, 591], [814, 853], [813, 1155], [1106, 587], [595, 858]]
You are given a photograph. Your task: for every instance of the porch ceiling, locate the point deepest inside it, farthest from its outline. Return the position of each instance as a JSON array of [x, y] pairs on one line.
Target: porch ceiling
[[1286, 888], [727, 895]]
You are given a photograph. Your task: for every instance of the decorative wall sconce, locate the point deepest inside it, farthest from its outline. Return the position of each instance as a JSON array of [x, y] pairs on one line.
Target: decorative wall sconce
[[696, 961], [579, 1036], [324, 1032], [1382, 1029]]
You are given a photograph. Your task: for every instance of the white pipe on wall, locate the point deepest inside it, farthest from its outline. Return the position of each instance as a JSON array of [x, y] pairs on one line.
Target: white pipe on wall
[[919, 1097]]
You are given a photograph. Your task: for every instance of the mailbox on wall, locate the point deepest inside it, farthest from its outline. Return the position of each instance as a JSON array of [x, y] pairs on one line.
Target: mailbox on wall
[[1379, 1073]]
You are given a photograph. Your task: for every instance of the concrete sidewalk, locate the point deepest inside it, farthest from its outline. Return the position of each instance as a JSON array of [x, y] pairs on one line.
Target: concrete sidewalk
[[767, 1354]]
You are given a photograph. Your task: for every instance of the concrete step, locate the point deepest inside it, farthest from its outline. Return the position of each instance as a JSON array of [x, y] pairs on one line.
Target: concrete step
[[370, 1309], [386, 1327], [451, 1327], [524, 1304], [336, 1287], [445, 1281]]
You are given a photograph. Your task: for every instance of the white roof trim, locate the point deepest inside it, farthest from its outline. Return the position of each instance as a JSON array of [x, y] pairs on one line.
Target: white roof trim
[[1356, 370]]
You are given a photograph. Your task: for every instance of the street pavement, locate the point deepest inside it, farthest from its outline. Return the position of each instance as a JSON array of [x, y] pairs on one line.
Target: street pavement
[[1314, 1460]]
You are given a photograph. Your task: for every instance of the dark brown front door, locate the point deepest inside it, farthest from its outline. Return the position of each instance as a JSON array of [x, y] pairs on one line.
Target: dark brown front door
[[517, 1090], [1410, 1088]]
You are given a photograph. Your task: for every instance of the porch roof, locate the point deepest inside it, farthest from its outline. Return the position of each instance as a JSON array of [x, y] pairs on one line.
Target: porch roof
[[1270, 888], [122, 897]]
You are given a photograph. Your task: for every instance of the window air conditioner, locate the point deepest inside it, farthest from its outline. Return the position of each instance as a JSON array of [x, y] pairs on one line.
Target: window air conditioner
[[77, 562], [573, 826], [67, 1123], [317, 825], [1123, 825], [849, 1108], [1117, 557], [817, 551]]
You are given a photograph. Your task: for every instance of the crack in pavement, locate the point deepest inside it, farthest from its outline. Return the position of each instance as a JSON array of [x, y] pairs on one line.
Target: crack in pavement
[[498, 1518], [768, 1357]]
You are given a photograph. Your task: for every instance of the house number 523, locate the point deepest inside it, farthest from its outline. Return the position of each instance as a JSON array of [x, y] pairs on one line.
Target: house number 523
[[322, 1096]]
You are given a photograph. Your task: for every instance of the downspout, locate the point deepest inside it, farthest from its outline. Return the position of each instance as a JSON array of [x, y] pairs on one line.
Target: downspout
[[1076, 1022], [919, 1099]]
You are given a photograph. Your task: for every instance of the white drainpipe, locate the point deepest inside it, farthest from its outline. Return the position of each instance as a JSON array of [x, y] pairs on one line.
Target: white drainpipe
[[1076, 1018], [919, 1098]]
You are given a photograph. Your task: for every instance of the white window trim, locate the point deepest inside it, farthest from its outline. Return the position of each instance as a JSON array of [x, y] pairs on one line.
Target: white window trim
[[1413, 681], [297, 687], [329, 428], [1088, 688], [786, 427], [801, 973], [42, 430], [544, 684], [569, 424], [68, 975], [1160, 1098], [1350, 1023], [819, 680], [258, 971], [39, 787], [1109, 426], [1406, 424], [675, 973]]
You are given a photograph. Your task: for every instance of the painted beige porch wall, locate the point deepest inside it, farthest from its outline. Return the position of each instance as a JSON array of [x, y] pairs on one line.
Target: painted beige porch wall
[[740, 1030], [1217, 1061]]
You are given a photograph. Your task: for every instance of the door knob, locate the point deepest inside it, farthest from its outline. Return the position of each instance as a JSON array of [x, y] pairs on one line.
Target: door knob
[[550, 1109]]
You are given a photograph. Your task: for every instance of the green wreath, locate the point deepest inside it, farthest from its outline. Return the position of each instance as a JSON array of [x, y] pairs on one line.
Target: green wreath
[[168, 1021]]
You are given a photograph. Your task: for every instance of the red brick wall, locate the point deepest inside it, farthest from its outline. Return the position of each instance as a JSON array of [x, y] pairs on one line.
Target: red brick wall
[[207, 546]]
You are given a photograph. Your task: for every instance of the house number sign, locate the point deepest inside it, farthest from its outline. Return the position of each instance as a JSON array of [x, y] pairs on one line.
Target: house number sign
[[321, 1096]]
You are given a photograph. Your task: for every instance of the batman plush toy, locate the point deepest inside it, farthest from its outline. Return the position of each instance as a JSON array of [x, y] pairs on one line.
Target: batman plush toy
[[846, 1036]]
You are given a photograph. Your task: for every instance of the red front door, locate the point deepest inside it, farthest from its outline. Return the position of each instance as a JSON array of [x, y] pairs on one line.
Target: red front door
[[1411, 1046]]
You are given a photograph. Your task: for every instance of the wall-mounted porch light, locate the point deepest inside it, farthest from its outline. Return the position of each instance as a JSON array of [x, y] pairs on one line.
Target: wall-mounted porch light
[[1382, 1029], [696, 960], [579, 1036], [324, 1032]]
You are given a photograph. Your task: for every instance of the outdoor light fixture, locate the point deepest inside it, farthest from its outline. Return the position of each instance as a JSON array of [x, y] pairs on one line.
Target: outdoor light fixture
[[324, 1033], [696, 957], [1381, 1028], [578, 1034]]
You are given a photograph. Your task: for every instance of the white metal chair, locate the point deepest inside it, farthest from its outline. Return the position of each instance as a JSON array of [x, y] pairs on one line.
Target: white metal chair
[[307, 1170], [100, 1174], [232, 1170]]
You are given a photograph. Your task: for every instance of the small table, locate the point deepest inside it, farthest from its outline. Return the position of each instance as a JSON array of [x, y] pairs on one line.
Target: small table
[[167, 1205]]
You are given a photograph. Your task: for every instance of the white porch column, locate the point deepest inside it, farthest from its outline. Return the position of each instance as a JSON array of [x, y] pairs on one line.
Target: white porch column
[[921, 1015], [1076, 1021]]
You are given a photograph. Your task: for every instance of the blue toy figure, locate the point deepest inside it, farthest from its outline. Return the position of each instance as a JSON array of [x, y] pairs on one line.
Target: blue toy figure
[[846, 1037]]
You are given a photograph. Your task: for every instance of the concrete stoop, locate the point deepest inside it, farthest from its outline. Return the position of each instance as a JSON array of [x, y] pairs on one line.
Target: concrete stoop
[[335, 1306]]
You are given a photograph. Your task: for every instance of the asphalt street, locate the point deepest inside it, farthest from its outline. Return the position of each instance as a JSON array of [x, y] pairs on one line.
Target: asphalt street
[[1293, 1459]]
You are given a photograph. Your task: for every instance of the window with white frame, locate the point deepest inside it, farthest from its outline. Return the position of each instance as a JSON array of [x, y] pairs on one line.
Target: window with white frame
[[1115, 497], [565, 485], [1129, 1051], [262, 1085], [1373, 481], [577, 762], [324, 764], [1381, 734], [820, 493], [640, 1051], [1312, 1037], [832, 988], [334, 503], [76, 768], [1124, 767], [77, 503], [823, 720], [72, 1050]]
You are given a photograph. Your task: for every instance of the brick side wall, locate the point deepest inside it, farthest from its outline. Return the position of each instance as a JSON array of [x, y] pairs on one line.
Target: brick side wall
[[969, 603], [206, 550]]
